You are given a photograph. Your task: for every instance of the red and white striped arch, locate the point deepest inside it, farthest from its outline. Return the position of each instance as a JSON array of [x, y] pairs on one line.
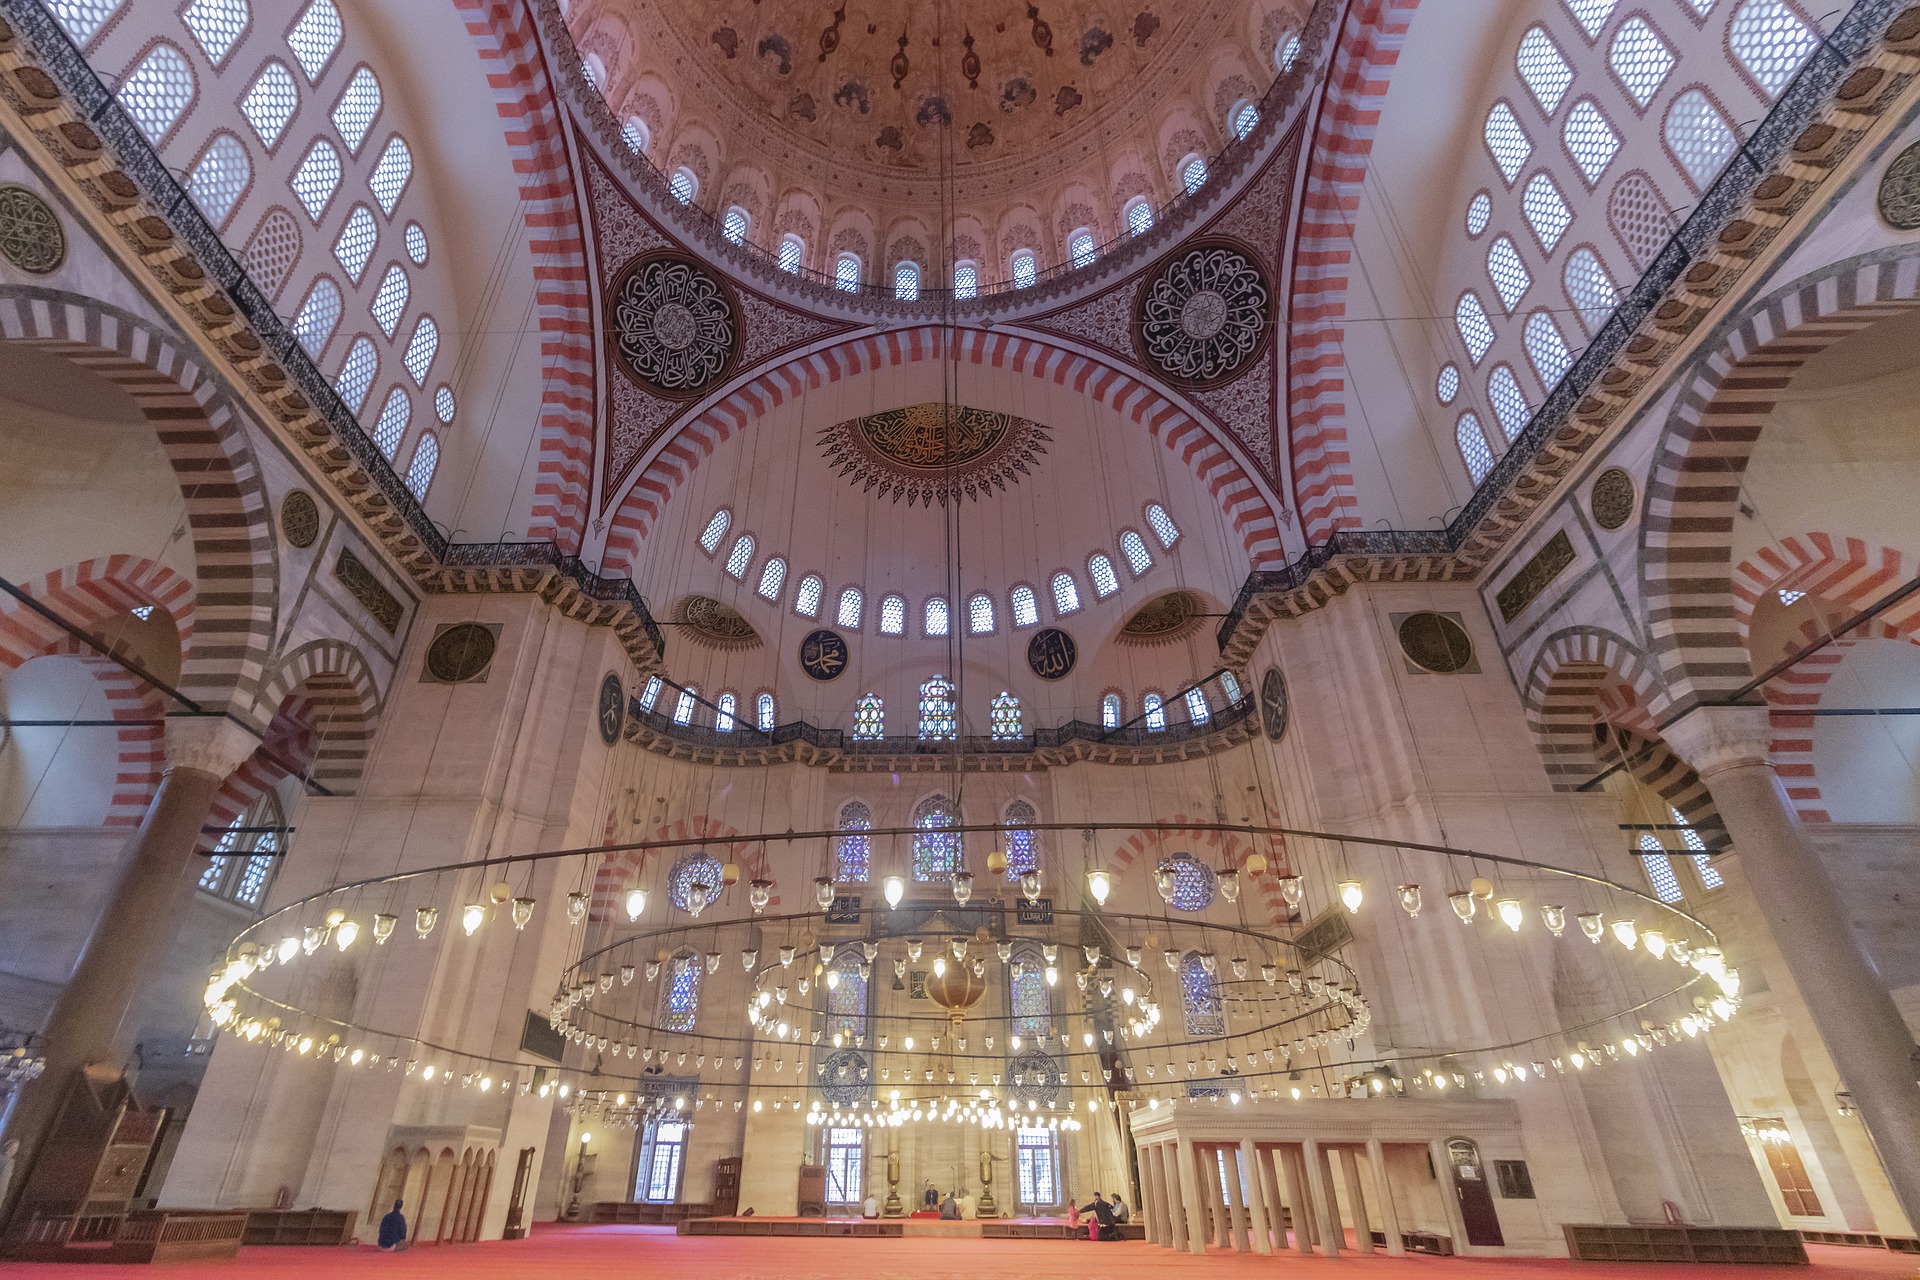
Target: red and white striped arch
[[627, 868], [92, 595], [1246, 506], [1176, 834]]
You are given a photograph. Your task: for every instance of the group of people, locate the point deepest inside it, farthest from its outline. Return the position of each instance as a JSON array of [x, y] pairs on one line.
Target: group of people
[[1104, 1217]]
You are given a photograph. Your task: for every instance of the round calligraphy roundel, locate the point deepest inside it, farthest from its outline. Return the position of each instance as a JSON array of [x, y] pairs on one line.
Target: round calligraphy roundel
[[612, 712], [1203, 319], [1051, 654], [674, 325], [823, 654]]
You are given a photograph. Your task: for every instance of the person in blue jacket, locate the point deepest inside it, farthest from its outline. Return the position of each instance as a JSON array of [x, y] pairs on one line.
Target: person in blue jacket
[[393, 1229]]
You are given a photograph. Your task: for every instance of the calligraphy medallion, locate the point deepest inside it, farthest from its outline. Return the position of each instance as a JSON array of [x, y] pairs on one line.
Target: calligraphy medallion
[[823, 654], [1051, 654], [932, 453]]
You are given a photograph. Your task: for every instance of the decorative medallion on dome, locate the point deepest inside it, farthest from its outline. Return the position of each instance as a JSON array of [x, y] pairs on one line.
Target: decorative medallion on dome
[[1204, 318], [1436, 642], [675, 327], [716, 625], [461, 652], [1051, 654], [1273, 704], [300, 518], [1612, 498], [823, 655], [924, 454], [1163, 619], [1900, 190], [30, 234]]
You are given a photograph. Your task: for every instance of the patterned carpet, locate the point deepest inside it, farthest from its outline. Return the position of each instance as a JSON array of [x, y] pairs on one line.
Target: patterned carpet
[[594, 1253]]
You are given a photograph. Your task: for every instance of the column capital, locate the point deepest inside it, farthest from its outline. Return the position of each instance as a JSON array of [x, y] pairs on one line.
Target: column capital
[[207, 744], [1715, 739]]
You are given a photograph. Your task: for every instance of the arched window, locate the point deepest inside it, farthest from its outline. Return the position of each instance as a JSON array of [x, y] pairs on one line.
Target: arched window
[[936, 847], [1028, 1002], [1699, 137], [848, 614], [1710, 877], [740, 557], [980, 614], [1193, 174], [846, 272], [681, 999], [1111, 711], [793, 254], [1200, 998], [82, 18], [315, 37], [847, 1009], [1507, 141], [390, 175], [733, 228], [390, 299], [933, 617], [1447, 386], [595, 71], [1023, 842], [426, 460], [763, 712], [1080, 248], [1589, 288], [806, 600], [318, 317], [391, 427], [695, 868], [421, 349], [1470, 317], [1591, 14], [1100, 571], [1026, 607], [650, 695], [219, 177], [716, 530], [1638, 216], [684, 705], [1286, 53], [242, 862], [1591, 139], [1230, 686], [1640, 59], [906, 281], [636, 135], [1139, 215], [772, 577], [354, 113], [869, 717], [1508, 273], [1543, 68], [1134, 548], [158, 91], [1546, 210], [683, 186], [354, 245], [1025, 268], [356, 374], [1659, 869], [271, 251], [852, 853], [966, 279], [1154, 710], [1004, 716], [1066, 593], [893, 615], [1162, 525], [938, 722], [1197, 710], [1473, 446], [1547, 349], [1770, 41], [1509, 401], [724, 708], [1243, 118], [317, 178]]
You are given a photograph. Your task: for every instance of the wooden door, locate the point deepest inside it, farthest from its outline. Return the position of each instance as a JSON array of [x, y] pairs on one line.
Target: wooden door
[[1470, 1188], [517, 1206], [813, 1191], [726, 1186]]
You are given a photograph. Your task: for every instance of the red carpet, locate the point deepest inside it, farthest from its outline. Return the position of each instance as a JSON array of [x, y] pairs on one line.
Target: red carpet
[[594, 1253]]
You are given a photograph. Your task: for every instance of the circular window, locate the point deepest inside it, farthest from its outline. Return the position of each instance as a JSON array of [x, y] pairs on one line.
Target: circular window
[[844, 1077], [698, 868], [1479, 212], [443, 404], [300, 518], [417, 244], [30, 234], [1449, 384], [1193, 883], [1612, 498], [460, 653], [1036, 1077], [1436, 643]]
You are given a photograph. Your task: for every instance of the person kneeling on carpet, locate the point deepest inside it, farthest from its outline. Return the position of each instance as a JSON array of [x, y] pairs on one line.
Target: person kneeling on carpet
[[950, 1209], [393, 1230], [1100, 1221]]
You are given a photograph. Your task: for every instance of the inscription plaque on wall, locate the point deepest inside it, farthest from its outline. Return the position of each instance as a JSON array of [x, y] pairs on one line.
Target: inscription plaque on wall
[[1536, 576], [367, 589]]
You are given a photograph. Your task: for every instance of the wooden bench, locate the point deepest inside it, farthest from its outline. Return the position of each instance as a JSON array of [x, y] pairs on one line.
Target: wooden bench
[[146, 1235], [629, 1213], [1661, 1243], [993, 1230], [300, 1226]]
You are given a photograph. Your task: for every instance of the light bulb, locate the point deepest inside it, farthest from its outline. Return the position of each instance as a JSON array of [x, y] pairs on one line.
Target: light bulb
[[939, 966], [833, 979], [1509, 912], [636, 903], [1464, 904], [522, 912], [1293, 890], [1030, 885], [1350, 895], [1554, 917], [289, 948], [345, 933], [1053, 975], [895, 888], [1625, 934], [1655, 943], [472, 916], [1410, 899], [1100, 884]]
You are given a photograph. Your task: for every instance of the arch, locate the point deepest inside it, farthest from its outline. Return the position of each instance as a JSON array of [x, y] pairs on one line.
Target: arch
[[228, 516], [1581, 675], [1246, 507], [1694, 489], [90, 593], [342, 701]]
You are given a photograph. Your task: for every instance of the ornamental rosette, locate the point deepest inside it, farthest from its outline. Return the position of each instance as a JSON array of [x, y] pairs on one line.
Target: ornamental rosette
[[1204, 317], [674, 326]]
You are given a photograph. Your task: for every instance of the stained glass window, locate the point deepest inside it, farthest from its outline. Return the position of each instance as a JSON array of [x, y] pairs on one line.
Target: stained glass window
[[1110, 712], [869, 717], [848, 614], [724, 707], [853, 854], [716, 529], [933, 617], [1032, 1011], [1134, 548], [1026, 607], [1005, 716], [1197, 710], [980, 614], [1066, 593], [315, 37], [1590, 139], [806, 600], [359, 104], [156, 92], [1200, 998], [936, 848], [683, 994], [219, 177], [317, 178], [1155, 712], [1023, 842], [893, 615], [695, 868], [740, 557], [937, 720], [772, 578], [1163, 526], [1771, 42], [763, 713], [1100, 570]]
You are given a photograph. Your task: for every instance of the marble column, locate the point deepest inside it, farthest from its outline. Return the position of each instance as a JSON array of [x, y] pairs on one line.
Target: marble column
[[1235, 1192], [1208, 1163], [1356, 1200], [1195, 1213], [1173, 1219], [1299, 1208], [135, 932], [1383, 1192], [1320, 1187], [1147, 1216], [1256, 1196], [1270, 1179], [1844, 992]]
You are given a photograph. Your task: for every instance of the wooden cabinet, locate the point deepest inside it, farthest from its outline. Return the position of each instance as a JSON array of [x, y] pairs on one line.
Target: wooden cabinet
[[813, 1191], [726, 1186]]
